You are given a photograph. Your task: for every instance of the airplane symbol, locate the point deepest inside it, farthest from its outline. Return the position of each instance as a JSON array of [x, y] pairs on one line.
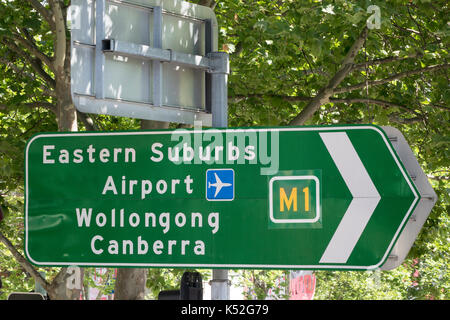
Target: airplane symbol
[[218, 185], [223, 182]]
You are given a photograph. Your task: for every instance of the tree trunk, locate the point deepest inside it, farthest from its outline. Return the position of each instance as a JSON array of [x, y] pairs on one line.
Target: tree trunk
[[59, 289], [66, 111], [154, 125], [323, 96], [67, 116], [130, 284]]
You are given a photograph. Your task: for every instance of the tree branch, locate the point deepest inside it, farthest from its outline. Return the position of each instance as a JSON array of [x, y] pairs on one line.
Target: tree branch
[[60, 41], [37, 104], [208, 3], [407, 30], [391, 78], [35, 63], [382, 103], [440, 106], [397, 119], [384, 60], [32, 77], [325, 93], [44, 12], [33, 49], [238, 98], [87, 121], [25, 264]]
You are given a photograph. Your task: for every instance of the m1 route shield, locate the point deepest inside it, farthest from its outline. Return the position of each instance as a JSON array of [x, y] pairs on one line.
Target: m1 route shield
[[334, 197]]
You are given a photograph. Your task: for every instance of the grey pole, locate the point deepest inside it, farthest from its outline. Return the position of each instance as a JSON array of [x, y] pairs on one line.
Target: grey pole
[[156, 64], [99, 56], [220, 285], [219, 89]]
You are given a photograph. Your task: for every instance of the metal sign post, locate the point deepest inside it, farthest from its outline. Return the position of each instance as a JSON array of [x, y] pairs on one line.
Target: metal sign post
[[220, 285], [219, 90]]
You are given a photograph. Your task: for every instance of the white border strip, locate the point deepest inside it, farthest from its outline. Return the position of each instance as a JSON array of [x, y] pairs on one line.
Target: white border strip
[[229, 266]]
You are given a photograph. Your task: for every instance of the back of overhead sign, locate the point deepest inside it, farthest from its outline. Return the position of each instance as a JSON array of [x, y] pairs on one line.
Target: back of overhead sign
[[145, 59]]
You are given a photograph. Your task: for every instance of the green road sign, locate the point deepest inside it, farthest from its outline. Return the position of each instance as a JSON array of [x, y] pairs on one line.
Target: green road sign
[[333, 197]]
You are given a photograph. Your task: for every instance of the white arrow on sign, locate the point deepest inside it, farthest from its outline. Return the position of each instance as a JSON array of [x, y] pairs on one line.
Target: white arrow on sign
[[365, 197]]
